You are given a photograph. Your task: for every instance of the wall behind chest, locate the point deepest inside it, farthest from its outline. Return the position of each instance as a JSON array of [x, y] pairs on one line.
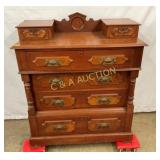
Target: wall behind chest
[[15, 102]]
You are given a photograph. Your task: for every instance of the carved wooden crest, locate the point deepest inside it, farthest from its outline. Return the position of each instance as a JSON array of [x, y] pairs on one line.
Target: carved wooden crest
[[76, 22]]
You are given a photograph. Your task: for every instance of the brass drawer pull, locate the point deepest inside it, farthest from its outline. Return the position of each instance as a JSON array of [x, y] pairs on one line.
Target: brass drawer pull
[[108, 61], [55, 82], [123, 29], [58, 102], [59, 127], [102, 125], [104, 79], [52, 62], [104, 100]]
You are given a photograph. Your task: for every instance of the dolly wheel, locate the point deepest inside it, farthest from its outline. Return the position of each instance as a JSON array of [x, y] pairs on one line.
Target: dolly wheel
[[120, 150], [134, 150]]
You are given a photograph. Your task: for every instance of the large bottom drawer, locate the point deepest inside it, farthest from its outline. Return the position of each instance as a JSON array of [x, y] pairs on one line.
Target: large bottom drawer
[[80, 121]]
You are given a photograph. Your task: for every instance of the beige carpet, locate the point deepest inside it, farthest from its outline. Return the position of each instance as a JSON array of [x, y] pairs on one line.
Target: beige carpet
[[144, 126]]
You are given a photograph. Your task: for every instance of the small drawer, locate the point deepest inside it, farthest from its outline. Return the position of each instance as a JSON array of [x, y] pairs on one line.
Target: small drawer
[[56, 101], [117, 58], [57, 127], [35, 34], [61, 82], [122, 31], [35, 30], [53, 61], [104, 125], [104, 99]]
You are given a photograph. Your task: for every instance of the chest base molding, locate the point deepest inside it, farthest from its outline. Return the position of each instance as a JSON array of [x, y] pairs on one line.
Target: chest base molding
[[81, 138]]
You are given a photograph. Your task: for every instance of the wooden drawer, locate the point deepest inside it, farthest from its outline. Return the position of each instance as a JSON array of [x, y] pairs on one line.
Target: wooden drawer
[[53, 61], [76, 99], [35, 34], [115, 31], [58, 127], [80, 121], [105, 99], [104, 125], [35, 30], [48, 126], [61, 82], [78, 60], [50, 101], [122, 58]]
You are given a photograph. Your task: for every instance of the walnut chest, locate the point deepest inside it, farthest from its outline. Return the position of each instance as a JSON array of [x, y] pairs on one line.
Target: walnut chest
[[79, 76]]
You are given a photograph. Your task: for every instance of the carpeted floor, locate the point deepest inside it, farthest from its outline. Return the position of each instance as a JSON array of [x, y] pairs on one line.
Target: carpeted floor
[[144, 126]]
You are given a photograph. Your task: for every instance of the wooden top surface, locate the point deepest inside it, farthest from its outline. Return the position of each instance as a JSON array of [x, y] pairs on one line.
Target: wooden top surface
[[119, 21], [78, 40], [36, 23]]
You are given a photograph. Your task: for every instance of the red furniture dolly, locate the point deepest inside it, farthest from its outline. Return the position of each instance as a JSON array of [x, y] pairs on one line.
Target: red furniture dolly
[[132, 145], [27, 147]]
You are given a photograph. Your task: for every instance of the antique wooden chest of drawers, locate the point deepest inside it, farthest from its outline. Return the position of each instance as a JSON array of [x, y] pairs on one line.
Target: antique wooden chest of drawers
[[79, 76]]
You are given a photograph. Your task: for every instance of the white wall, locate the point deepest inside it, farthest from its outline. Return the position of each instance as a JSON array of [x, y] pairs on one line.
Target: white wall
[[15, 101]]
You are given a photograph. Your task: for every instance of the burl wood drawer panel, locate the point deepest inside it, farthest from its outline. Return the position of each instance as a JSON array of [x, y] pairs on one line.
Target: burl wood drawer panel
[[35, 30], [35, 34], [53, 127], [121, 31], [82, 121], [104, 125], [78, 60], [77, 81], [77, 99]]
